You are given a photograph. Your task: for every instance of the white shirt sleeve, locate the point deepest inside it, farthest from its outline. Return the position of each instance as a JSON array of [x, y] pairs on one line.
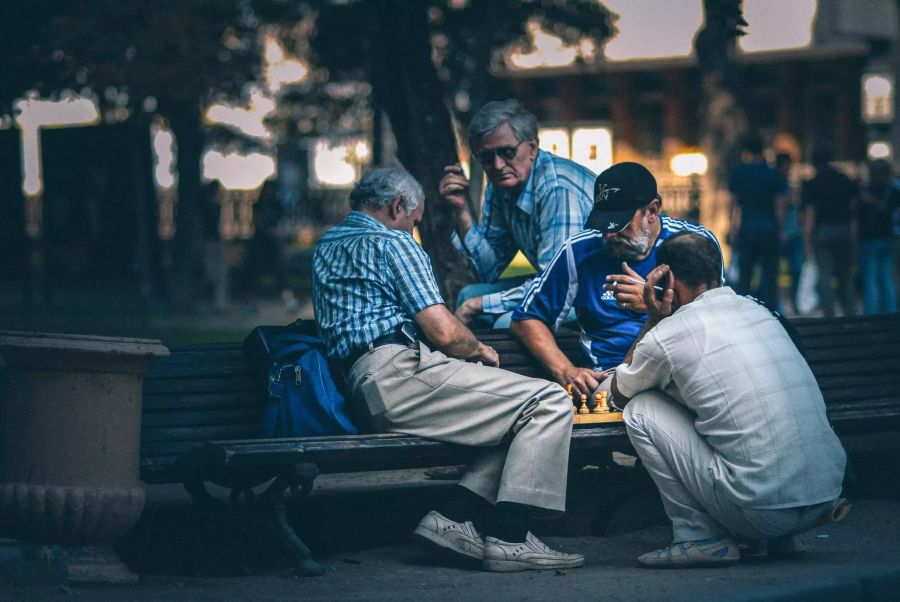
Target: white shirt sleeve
[[649, 369]]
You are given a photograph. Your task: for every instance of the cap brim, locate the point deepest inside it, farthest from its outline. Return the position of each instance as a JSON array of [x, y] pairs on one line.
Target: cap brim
[[608, 221]]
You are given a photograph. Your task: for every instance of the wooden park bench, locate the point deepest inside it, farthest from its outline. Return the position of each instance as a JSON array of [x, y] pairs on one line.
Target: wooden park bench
[[203, 408]]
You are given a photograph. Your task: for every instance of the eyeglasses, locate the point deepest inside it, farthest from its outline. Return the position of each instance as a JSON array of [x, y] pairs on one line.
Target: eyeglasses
[[507, 153]]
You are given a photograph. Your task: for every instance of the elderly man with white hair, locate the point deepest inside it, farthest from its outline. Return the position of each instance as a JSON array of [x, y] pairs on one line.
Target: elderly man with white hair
[[412, 367], [533, 202]]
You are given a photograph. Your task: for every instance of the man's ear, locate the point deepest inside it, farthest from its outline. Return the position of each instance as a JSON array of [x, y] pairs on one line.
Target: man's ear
[[653, 210], [395, 207], [533, 145]]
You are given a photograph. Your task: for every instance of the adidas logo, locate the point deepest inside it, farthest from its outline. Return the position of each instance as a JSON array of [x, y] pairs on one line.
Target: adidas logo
[[608, 296]]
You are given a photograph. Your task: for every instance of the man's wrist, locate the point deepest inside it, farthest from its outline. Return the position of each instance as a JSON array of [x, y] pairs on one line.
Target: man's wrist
[[463, 218], [560, 370]]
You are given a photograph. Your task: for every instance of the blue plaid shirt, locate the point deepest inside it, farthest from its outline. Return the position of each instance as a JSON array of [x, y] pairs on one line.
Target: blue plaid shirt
[[552, 207], [367, 281]]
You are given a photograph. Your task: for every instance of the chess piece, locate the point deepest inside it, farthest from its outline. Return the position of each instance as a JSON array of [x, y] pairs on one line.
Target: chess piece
[[600, 405], [584, 407]]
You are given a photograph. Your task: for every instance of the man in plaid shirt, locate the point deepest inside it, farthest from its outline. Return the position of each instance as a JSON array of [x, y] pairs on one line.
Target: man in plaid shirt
[[411, 367], [534, 201]]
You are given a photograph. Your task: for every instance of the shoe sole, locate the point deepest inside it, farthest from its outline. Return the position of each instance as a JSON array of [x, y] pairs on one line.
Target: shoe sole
[[440, 545], [510, 566], [703, 564]]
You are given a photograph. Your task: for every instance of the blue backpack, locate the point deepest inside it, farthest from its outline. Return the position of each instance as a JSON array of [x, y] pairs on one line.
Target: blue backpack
[[303, 399]]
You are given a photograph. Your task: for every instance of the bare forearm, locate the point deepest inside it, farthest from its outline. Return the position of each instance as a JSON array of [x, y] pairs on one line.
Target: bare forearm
[[464, 221], [463, 344], [538, 338], [447, 333]]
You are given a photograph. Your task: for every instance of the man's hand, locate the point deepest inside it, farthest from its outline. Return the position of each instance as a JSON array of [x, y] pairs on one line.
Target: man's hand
[[539, 340], [486, 354], [454, 187], [469, 309], [657, 309], [628, 288], [583, 380]]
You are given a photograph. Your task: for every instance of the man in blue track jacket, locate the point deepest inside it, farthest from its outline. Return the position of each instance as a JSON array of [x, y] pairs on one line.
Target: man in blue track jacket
[[600, 274]]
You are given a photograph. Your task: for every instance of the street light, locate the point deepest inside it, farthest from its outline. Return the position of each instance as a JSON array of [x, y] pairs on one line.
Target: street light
[[691, 164]]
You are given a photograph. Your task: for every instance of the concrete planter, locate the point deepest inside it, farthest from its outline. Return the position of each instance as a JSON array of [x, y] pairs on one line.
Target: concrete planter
[[70, 431]]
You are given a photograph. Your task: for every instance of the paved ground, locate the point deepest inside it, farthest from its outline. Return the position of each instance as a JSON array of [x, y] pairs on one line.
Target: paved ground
[[858, 559], [358, 525]]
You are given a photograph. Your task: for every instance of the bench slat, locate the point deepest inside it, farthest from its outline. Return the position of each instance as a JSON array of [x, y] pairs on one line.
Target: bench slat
[[202, 418], [154, 451], [173, 404], [220, 384], [358, 451], [836, 381], [200, 433], [860, 394], [852, 352], [840, 327], [859, 340], [869, 366], [183, 367]]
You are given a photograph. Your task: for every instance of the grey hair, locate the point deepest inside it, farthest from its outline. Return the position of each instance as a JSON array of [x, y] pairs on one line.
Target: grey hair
[[380, 186], [494, 114]]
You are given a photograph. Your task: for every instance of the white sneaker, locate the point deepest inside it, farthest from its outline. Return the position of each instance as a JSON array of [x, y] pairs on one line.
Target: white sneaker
[[711, 552], [503, 556], [437, 531]]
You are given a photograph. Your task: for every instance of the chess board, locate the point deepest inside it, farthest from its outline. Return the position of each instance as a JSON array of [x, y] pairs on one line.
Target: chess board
[[599, 411], [597, 418]]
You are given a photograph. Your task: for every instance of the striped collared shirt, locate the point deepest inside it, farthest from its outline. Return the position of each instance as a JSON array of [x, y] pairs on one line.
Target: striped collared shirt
[[368, 280], [552, 207]]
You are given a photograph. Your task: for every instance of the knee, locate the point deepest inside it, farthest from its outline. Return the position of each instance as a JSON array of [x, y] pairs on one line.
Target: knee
[[504, 321], [558, 402], [469, 291], [640, 406], [632, 410]]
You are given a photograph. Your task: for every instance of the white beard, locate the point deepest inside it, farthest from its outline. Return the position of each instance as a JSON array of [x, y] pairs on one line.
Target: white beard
[[626, 248]]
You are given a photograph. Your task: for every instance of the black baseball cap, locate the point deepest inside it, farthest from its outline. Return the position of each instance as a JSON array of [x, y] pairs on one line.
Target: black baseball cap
[[618, 193]]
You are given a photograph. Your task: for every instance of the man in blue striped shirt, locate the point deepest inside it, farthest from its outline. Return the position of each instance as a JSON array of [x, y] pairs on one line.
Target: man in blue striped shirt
[[600, 274], [534, 201], [373, 292]]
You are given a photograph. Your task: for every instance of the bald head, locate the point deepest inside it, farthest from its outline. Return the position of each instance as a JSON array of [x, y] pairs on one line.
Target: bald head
[[694, 259]]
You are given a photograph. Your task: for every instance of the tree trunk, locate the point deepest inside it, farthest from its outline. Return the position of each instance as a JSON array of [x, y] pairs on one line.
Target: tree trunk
[[483, 85], [142, 161], [184, 119], [407, 86], [723, 118]]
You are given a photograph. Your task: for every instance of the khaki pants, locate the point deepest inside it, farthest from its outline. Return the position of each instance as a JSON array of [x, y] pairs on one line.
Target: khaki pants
[[678, 459], [524, 424]]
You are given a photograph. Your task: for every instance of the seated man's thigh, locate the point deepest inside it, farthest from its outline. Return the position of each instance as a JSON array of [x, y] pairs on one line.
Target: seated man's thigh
[[424, 392]]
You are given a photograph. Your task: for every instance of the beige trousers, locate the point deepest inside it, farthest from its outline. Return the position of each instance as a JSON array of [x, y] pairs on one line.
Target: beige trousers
[[524, 424]]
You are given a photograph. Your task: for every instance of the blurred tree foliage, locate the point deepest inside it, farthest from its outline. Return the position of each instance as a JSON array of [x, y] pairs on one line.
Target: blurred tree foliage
[[170, 57]]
